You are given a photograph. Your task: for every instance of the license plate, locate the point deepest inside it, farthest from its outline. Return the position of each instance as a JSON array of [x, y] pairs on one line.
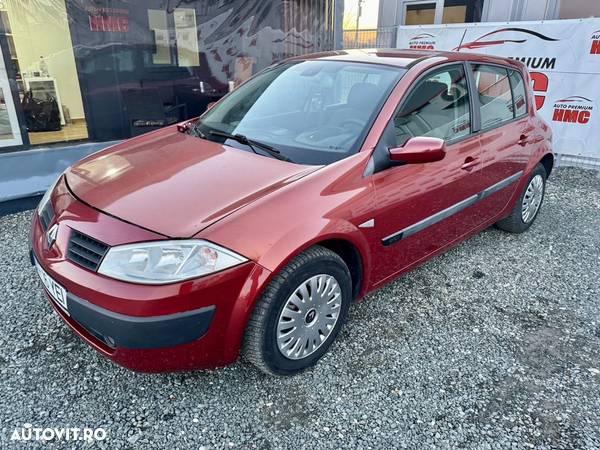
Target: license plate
[[56, 291]]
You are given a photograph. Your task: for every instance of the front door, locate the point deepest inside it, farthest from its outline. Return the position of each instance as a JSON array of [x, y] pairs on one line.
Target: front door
[[423, 207]]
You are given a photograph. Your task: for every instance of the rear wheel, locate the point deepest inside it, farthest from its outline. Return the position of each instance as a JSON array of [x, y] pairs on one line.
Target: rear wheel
[[300, 314], [527, 207]]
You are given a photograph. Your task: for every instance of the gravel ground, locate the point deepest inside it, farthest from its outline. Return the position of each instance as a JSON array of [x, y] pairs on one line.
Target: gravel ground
[[492, 345]]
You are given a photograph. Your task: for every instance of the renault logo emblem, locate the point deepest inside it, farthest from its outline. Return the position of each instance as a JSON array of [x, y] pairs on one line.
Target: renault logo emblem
[[51, 235]]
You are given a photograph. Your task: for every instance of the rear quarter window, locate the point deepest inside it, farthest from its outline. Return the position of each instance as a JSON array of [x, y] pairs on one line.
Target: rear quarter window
[[519, 94]]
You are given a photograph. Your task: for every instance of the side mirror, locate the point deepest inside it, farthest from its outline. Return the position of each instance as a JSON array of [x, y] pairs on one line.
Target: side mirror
[[419, 150]]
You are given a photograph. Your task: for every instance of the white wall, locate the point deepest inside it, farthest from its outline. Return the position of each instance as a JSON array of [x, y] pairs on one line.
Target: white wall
[[515, 10], [510, 10], [387, 13], [497, 11]]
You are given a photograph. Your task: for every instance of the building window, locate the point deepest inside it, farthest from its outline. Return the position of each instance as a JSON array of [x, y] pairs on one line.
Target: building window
[[419, 12], [10, 134], [579, 9], [462, 11], [42, 59], [105, 70]]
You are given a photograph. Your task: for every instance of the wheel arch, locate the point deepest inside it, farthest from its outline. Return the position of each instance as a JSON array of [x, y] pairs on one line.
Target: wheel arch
[[353, 259], [339, 236], [548, 162]]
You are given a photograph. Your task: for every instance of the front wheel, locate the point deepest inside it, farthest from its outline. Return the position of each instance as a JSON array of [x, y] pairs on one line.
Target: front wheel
[[527, 207], [300, 314]]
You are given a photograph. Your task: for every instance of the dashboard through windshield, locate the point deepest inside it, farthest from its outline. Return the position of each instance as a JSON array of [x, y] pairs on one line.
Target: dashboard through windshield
[[311, 112]]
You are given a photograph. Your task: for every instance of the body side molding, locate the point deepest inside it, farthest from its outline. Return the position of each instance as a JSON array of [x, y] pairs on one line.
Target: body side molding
[[451, 210]]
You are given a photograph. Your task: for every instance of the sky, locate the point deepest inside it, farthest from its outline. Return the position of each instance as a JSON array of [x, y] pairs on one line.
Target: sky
[[370, 11]]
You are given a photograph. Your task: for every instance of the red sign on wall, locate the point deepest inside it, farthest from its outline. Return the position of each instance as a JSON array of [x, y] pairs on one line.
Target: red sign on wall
[[540, 87], [111, 24], [595, 49]]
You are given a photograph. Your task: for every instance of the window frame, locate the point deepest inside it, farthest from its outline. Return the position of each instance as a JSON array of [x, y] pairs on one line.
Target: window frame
[[474, 104], [470, 17], [376, 161], [473, 111], [379, 161], [512, 90], [476, 92], [471, 75]]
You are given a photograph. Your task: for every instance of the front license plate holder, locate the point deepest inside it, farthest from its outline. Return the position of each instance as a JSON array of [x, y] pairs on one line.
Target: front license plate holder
[[54, 289]]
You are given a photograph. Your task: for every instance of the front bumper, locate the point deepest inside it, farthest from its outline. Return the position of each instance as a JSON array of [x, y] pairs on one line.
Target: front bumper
[[119, 330], [195, 324]]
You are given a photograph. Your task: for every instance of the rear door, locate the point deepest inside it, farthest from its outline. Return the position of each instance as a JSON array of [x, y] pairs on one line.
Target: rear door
[[506, 133], [423, 207]]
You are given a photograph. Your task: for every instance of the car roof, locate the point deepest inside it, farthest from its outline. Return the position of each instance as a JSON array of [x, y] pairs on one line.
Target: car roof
[[402, 58]]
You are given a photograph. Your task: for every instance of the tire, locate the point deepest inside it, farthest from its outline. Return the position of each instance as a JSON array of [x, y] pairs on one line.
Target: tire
[[317, 268], [519, 221]]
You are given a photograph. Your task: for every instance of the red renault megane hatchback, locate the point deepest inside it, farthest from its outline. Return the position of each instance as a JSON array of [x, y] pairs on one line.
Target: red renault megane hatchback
[[252, 229]]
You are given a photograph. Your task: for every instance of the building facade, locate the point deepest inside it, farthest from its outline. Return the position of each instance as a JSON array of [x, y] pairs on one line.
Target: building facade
[[75, 71], [430, 12]]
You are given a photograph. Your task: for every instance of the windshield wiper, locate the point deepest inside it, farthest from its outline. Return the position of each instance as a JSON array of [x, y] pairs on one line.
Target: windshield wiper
[[252, 144]]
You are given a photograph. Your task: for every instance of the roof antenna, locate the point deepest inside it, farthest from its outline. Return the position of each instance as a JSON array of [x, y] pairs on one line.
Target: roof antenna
[[462, 39]]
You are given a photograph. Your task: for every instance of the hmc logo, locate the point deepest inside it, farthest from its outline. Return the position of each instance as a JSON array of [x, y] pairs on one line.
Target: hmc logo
[[595, 50], [574, 109], [423, 41]]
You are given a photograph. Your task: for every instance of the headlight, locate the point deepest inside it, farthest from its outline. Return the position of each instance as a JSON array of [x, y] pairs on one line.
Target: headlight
[[48, 194], [163, 262]]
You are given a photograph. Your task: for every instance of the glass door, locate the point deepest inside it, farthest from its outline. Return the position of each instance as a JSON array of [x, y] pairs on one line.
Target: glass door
[[42, 61], [10, 132]]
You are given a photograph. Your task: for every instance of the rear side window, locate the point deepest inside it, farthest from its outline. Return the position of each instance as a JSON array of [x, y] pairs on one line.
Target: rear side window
[[495, 97], [438, 106], [519, 95]]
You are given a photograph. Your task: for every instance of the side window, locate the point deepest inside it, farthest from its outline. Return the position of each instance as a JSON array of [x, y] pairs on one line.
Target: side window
[[519, 95], [438, 106], [495, 95]]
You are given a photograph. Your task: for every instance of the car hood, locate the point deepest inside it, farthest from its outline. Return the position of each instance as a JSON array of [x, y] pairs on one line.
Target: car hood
[[176, 184]]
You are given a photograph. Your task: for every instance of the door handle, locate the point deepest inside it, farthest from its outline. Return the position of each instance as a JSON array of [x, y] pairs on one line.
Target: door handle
[[469, 163], [523, 140]]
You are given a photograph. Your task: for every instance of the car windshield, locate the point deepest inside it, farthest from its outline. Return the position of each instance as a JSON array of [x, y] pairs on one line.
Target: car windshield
[[311, 112]]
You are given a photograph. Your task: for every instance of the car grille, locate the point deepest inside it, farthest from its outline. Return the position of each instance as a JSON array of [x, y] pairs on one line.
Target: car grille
[[85, 251], [46, 215]]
